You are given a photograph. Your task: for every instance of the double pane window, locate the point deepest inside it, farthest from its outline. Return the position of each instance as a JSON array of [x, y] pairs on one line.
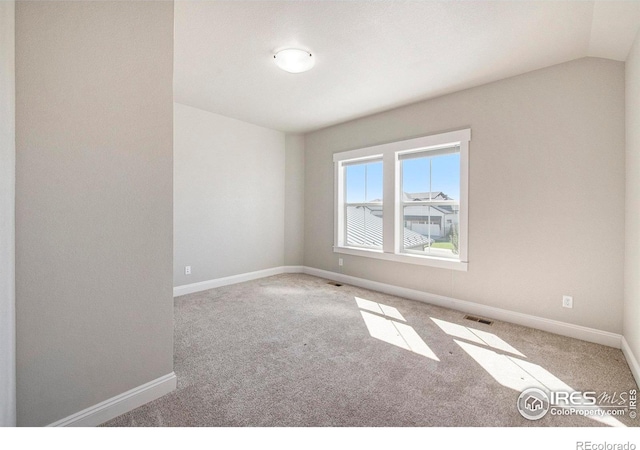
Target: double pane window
[[405, 201]]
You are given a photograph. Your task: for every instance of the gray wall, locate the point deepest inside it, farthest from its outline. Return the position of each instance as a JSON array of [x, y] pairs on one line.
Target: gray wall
[[632, 234], [228, 194], [93, 202], [546, 201], [7, 215], [294, 200]]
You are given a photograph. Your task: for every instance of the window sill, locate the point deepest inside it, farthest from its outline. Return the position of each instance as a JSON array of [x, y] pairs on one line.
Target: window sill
[[442, 263]]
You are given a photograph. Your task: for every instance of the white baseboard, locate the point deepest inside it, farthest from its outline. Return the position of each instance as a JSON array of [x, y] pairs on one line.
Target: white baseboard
[[539, 323], [136, 397], [240, 278], [552, 326], [120, 404], [631, 360]]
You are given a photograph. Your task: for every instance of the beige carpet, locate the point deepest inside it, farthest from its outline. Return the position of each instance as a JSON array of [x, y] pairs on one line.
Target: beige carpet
[[293, 350]]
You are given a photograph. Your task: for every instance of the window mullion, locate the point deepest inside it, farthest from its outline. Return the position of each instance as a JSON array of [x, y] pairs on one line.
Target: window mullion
[[389, 167]]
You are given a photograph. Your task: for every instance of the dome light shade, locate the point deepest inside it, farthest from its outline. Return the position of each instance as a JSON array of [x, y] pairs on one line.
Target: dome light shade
[[294, 60]]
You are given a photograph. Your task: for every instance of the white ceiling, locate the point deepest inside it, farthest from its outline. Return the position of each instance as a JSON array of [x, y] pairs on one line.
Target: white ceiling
[[375, 55]]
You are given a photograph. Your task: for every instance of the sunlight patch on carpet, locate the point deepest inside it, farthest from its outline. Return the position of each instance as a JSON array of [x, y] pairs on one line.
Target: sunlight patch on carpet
[[384, 325]]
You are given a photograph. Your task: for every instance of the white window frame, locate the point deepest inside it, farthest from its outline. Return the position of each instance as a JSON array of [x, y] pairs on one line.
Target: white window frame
[[392, 198]]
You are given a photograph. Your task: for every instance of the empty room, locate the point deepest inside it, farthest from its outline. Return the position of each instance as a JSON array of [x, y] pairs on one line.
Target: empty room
[[320, 214]]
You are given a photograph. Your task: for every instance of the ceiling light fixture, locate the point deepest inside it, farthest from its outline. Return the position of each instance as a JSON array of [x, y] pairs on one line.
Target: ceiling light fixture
[[294, 60]]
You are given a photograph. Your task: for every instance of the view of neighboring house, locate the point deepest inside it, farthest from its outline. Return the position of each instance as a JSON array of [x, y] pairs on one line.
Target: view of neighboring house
[[434, 222]]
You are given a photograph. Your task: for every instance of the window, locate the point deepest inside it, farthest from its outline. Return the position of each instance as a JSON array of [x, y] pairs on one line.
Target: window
[[405, 201], [430, 202], [363, 204]]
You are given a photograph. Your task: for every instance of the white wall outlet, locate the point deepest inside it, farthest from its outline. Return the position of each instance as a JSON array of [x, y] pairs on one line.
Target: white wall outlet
[[187, 270], [567, 301], [340, 262]]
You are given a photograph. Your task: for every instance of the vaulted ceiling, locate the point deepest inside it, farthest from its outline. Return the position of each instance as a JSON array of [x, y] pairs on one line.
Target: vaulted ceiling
[[376, 55]]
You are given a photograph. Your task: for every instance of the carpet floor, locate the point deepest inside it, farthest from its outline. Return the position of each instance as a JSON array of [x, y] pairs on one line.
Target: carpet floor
[[293, 350]]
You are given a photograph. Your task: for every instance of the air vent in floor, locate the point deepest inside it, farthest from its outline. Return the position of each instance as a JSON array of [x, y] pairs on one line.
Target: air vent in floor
[[479, 320]]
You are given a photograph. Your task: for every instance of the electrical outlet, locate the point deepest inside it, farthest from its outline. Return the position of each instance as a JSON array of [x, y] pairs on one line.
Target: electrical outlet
[[187, 270], [340, 262], [567, 301]]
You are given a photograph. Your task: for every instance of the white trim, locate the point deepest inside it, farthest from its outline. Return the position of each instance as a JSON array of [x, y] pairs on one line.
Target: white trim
[[463, 211], [338, 203], [120, 404], [540, 323], [433, 261], [7, 216], [631, 360], [233, 279], [389, 207], [134, 398], [407, 146]]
